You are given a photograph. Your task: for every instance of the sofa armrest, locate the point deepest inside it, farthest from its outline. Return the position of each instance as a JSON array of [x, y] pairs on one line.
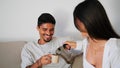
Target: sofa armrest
[[10, 54]]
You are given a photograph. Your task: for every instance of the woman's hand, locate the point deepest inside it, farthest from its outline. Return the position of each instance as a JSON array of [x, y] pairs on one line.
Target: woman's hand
[[72, 44]]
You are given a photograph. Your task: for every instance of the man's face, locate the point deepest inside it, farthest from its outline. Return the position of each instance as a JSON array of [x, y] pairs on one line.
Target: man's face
[[46, 31]]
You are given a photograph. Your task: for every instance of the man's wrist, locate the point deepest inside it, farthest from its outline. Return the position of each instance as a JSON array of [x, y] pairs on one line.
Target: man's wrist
[[39, 63]]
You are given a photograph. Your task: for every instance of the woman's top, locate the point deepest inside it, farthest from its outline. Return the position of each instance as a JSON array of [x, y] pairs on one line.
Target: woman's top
[[111, 55]]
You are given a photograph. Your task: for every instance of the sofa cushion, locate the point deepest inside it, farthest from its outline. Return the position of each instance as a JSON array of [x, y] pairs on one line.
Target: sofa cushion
[[78, 61], [10, 54]]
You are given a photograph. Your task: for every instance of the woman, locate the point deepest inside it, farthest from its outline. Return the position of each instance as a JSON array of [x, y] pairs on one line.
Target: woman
[[99, 46]]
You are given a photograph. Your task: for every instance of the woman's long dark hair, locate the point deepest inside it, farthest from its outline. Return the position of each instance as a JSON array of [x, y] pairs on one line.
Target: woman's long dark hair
[[93, 16]]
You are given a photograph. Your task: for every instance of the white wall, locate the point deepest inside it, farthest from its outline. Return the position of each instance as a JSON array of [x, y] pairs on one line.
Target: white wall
[[18, 18]]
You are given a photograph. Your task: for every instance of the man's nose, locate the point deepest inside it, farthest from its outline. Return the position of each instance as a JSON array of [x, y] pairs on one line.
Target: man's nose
[[48, 32]]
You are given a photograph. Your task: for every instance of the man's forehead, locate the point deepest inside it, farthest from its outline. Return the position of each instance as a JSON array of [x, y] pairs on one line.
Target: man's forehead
[[47, 25]]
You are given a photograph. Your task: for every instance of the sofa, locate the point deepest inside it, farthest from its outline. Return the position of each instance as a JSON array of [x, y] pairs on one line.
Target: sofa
[[10, 55]]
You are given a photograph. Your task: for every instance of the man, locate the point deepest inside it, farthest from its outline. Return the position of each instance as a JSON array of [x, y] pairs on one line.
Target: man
[[38, 54]]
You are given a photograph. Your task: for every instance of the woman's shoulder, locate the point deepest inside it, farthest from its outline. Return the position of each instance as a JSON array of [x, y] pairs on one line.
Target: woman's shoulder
[[114, 53], [114, 45], [115, 42], [118, 45]]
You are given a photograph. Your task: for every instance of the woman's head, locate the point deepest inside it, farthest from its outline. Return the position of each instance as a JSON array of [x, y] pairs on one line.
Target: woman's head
[[92, 15]]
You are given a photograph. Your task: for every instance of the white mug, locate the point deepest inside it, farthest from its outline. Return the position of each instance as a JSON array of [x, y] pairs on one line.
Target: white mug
[[55, 58]]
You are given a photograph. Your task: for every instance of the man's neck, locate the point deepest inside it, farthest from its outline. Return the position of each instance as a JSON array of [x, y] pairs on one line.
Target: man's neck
[[41, 41]]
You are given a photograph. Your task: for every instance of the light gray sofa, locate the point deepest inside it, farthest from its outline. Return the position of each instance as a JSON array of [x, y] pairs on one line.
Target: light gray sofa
[[10, 54]]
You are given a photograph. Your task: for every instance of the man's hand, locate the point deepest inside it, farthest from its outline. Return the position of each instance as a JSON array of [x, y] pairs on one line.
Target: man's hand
[[44, 60]]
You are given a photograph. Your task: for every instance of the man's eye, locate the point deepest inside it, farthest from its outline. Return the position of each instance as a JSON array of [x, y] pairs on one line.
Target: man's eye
[[44, 29], [52, 30]]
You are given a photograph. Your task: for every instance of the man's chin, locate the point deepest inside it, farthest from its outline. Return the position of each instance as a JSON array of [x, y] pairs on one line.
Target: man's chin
[[47, 40]]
